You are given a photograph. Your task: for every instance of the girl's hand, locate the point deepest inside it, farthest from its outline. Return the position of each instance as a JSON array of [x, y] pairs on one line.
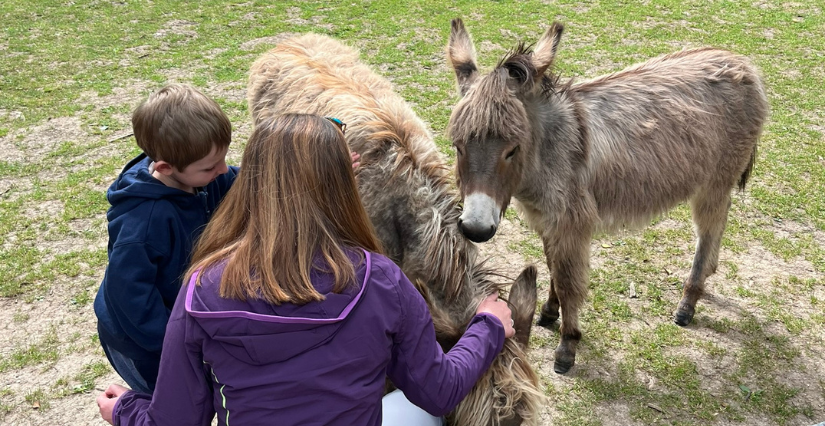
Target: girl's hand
[[106, 401], [500, 310]]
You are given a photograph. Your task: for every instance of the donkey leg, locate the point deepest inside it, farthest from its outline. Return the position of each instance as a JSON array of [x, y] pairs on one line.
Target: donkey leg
[[550, 309], [569, 272], [710, 215]]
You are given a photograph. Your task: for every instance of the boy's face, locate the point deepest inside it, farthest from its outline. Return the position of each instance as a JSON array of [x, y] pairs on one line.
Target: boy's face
[[202, 172]]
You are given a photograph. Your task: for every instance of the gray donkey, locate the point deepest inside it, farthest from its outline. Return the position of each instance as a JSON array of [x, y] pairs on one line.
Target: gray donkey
[[405, 187], [601, 155]]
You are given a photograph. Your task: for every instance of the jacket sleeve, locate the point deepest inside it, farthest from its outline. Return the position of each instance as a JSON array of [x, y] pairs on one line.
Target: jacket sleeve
[[132, 295], [431, 379], [183, 396]]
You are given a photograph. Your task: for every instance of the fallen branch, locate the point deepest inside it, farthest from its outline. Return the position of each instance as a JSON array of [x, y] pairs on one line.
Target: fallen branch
[[121, 137], [655, 407]]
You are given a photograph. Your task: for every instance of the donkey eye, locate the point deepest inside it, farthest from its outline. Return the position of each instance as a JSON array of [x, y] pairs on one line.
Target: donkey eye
[[511, 153]]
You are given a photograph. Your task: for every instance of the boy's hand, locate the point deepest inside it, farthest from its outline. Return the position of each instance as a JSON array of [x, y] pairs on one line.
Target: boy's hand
[[106, 401], [355, 157], [500, 310]]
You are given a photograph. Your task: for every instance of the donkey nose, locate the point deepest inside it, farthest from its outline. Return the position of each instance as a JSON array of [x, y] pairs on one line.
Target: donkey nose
[[476, 234]]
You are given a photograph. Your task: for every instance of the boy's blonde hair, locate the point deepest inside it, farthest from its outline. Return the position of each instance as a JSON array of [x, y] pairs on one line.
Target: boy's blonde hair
[[180, 125], [293, 208]]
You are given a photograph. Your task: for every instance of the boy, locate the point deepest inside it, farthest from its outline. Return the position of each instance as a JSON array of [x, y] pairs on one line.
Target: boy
[[159, 205]]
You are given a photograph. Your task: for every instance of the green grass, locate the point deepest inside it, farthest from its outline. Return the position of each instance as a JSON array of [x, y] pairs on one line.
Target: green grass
[[38, 400], [47, 350], [529, 248], [91, 63], [84, 381]]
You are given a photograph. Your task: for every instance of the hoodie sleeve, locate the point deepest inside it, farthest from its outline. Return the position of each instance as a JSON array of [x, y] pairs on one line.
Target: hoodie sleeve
[[183, 396], [431, 379], [132, 295], [225, 181]]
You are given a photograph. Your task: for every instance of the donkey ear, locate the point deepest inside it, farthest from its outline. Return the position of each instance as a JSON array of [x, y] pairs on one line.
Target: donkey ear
[[523, 303], [461, 55], [545, 51]]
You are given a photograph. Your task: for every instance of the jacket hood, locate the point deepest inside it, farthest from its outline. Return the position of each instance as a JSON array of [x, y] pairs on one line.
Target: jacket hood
[[257, 332], [135, 184]]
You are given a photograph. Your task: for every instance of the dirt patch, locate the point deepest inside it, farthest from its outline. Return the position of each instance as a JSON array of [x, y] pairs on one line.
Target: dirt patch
[[234, 92], [131, 92], [13, 189], [11, 151], [294, 17], [618, 412], [33, 144], [269, 41], [23, 324], [178, 27]]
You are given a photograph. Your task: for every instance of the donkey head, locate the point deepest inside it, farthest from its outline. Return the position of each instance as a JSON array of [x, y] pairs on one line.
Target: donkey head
[[490, 126], [508, 394]]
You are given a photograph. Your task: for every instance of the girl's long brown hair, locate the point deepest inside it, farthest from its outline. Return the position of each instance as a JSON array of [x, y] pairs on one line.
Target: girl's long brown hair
[[294, 202]]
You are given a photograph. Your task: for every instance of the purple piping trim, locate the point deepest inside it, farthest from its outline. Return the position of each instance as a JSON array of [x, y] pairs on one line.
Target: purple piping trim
[[272, 318]]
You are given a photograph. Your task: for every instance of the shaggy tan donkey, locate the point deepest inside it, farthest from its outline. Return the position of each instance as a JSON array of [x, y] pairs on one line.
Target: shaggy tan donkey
[[405, 186], [603, 154]]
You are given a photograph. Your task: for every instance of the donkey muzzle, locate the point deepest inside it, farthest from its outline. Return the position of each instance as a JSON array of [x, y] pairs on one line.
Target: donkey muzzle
[[480, 218]]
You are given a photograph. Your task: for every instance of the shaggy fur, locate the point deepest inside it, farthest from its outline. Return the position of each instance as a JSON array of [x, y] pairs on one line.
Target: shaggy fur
[[602, 155], [405, 187]]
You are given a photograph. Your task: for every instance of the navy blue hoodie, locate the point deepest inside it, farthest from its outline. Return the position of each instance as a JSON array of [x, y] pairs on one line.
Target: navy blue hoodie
[[152, 228]]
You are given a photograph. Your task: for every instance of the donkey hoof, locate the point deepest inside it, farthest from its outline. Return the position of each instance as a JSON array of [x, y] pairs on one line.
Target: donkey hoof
[[683, 315], [565, 356], [562, 366]]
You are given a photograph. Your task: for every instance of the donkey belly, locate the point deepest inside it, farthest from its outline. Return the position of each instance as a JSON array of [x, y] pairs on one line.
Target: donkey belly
[[633, 201]]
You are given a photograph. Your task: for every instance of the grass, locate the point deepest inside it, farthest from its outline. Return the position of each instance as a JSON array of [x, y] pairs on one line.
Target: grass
[[71, 72], [83, 381], [38, 400], [46, 350]]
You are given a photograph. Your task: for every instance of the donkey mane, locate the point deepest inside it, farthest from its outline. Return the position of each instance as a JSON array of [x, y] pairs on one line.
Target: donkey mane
[[520, 60], [450, 271], [519, 55], [449, 330], [451, 257], [387, 130]]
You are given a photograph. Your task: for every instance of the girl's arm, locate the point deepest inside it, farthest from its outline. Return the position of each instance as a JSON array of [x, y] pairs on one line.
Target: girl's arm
[[431, 379]]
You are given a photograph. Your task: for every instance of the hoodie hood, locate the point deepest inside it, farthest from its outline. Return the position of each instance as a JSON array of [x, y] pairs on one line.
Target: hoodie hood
[[257, 332], [135, 185]]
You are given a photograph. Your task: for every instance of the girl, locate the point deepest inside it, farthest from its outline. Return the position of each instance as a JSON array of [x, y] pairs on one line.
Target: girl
[[291, 315]]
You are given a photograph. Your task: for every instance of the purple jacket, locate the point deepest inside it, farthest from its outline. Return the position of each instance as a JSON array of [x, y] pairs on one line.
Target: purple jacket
[[323, 363]]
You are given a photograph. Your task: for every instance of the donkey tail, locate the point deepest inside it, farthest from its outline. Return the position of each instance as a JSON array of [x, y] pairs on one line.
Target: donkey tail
[[747, 173]]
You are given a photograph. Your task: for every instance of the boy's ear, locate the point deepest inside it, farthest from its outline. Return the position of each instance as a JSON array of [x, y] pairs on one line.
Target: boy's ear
[[163, 168]]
